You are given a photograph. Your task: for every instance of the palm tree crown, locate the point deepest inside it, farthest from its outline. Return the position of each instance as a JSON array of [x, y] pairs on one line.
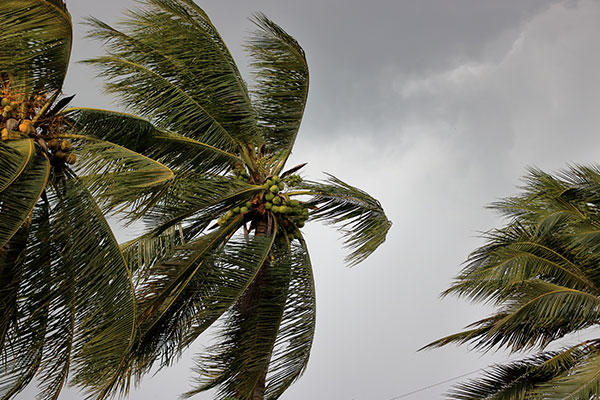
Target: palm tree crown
[[66, 293], [226, 241], [541, 273]]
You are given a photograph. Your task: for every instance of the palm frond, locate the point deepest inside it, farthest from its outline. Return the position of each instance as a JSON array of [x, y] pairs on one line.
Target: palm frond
[[191, 86], [517, 380], [281, 85], [580, 382], [198, 200], [118, 177], [14, 157], [176, 151], [239, 362], [26, 258], [95, 273], [297, 329], [360, 217], [17, 201], [188, 291], [35, 45]]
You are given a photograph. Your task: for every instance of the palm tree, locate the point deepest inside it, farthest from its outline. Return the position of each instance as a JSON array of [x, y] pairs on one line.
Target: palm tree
[[67, 302], [540, 271], [226, 241]]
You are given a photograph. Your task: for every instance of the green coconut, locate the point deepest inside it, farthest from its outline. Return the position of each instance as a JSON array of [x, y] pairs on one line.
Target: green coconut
[[243, 210], [268, 205], [236, 210], [276, 200], [274, 189], [269, 196]]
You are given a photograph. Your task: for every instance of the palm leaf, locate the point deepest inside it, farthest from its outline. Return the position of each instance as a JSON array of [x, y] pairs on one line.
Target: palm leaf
[[191, 86], [94, 271], [360, 217], [35, 46], [25, 319], [17, 201], [519, 379], [118, 177], [134, 133], [281, 85], [14, 157], [192, 288], [238, 364], [296, 332]]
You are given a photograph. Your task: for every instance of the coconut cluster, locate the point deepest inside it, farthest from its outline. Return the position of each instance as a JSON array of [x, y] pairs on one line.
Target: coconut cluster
[[17, 122], [290, 213]]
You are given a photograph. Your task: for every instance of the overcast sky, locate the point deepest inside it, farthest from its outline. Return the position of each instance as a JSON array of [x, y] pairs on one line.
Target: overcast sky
[[436, 108]]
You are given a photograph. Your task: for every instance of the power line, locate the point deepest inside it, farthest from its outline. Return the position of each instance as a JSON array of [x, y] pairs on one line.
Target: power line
[[436, 384]]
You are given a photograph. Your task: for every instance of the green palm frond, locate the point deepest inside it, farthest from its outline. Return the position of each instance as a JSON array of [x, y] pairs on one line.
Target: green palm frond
[[14, 157], [580, 382], [281, 85], [190, 290], [519, 379], [96, 284], [360, 217], [118, 177], [538, 313], [238, 364], [25, 263], [35, 45], [191, 86], [297, 329], [17, 201], [198, 200], [137, 134], [541, 273]]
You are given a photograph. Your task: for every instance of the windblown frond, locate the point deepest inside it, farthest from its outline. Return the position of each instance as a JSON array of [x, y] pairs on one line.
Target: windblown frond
[[297, 328], [360, 217], [518, 379], [35, 45], [14, 157], [281, 85], [118, 177], [191, 86], [192, 288], [17, 201], [541, 273], [239, 362], [95, 284], [176, 151]]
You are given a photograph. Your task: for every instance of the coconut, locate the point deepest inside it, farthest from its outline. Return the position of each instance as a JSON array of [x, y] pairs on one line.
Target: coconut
[[276, 179], [283, 209], [248, 205], [243, 210], [4, 134], [280, 185], [274, 189], [275, 209], [59, 155], [25, 126], [71, 158], [236, 210], [53, 144], [269, 196], [294, 203], [277, 200], [65, 146], [7, 109], [5, 102], [268, 205]]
